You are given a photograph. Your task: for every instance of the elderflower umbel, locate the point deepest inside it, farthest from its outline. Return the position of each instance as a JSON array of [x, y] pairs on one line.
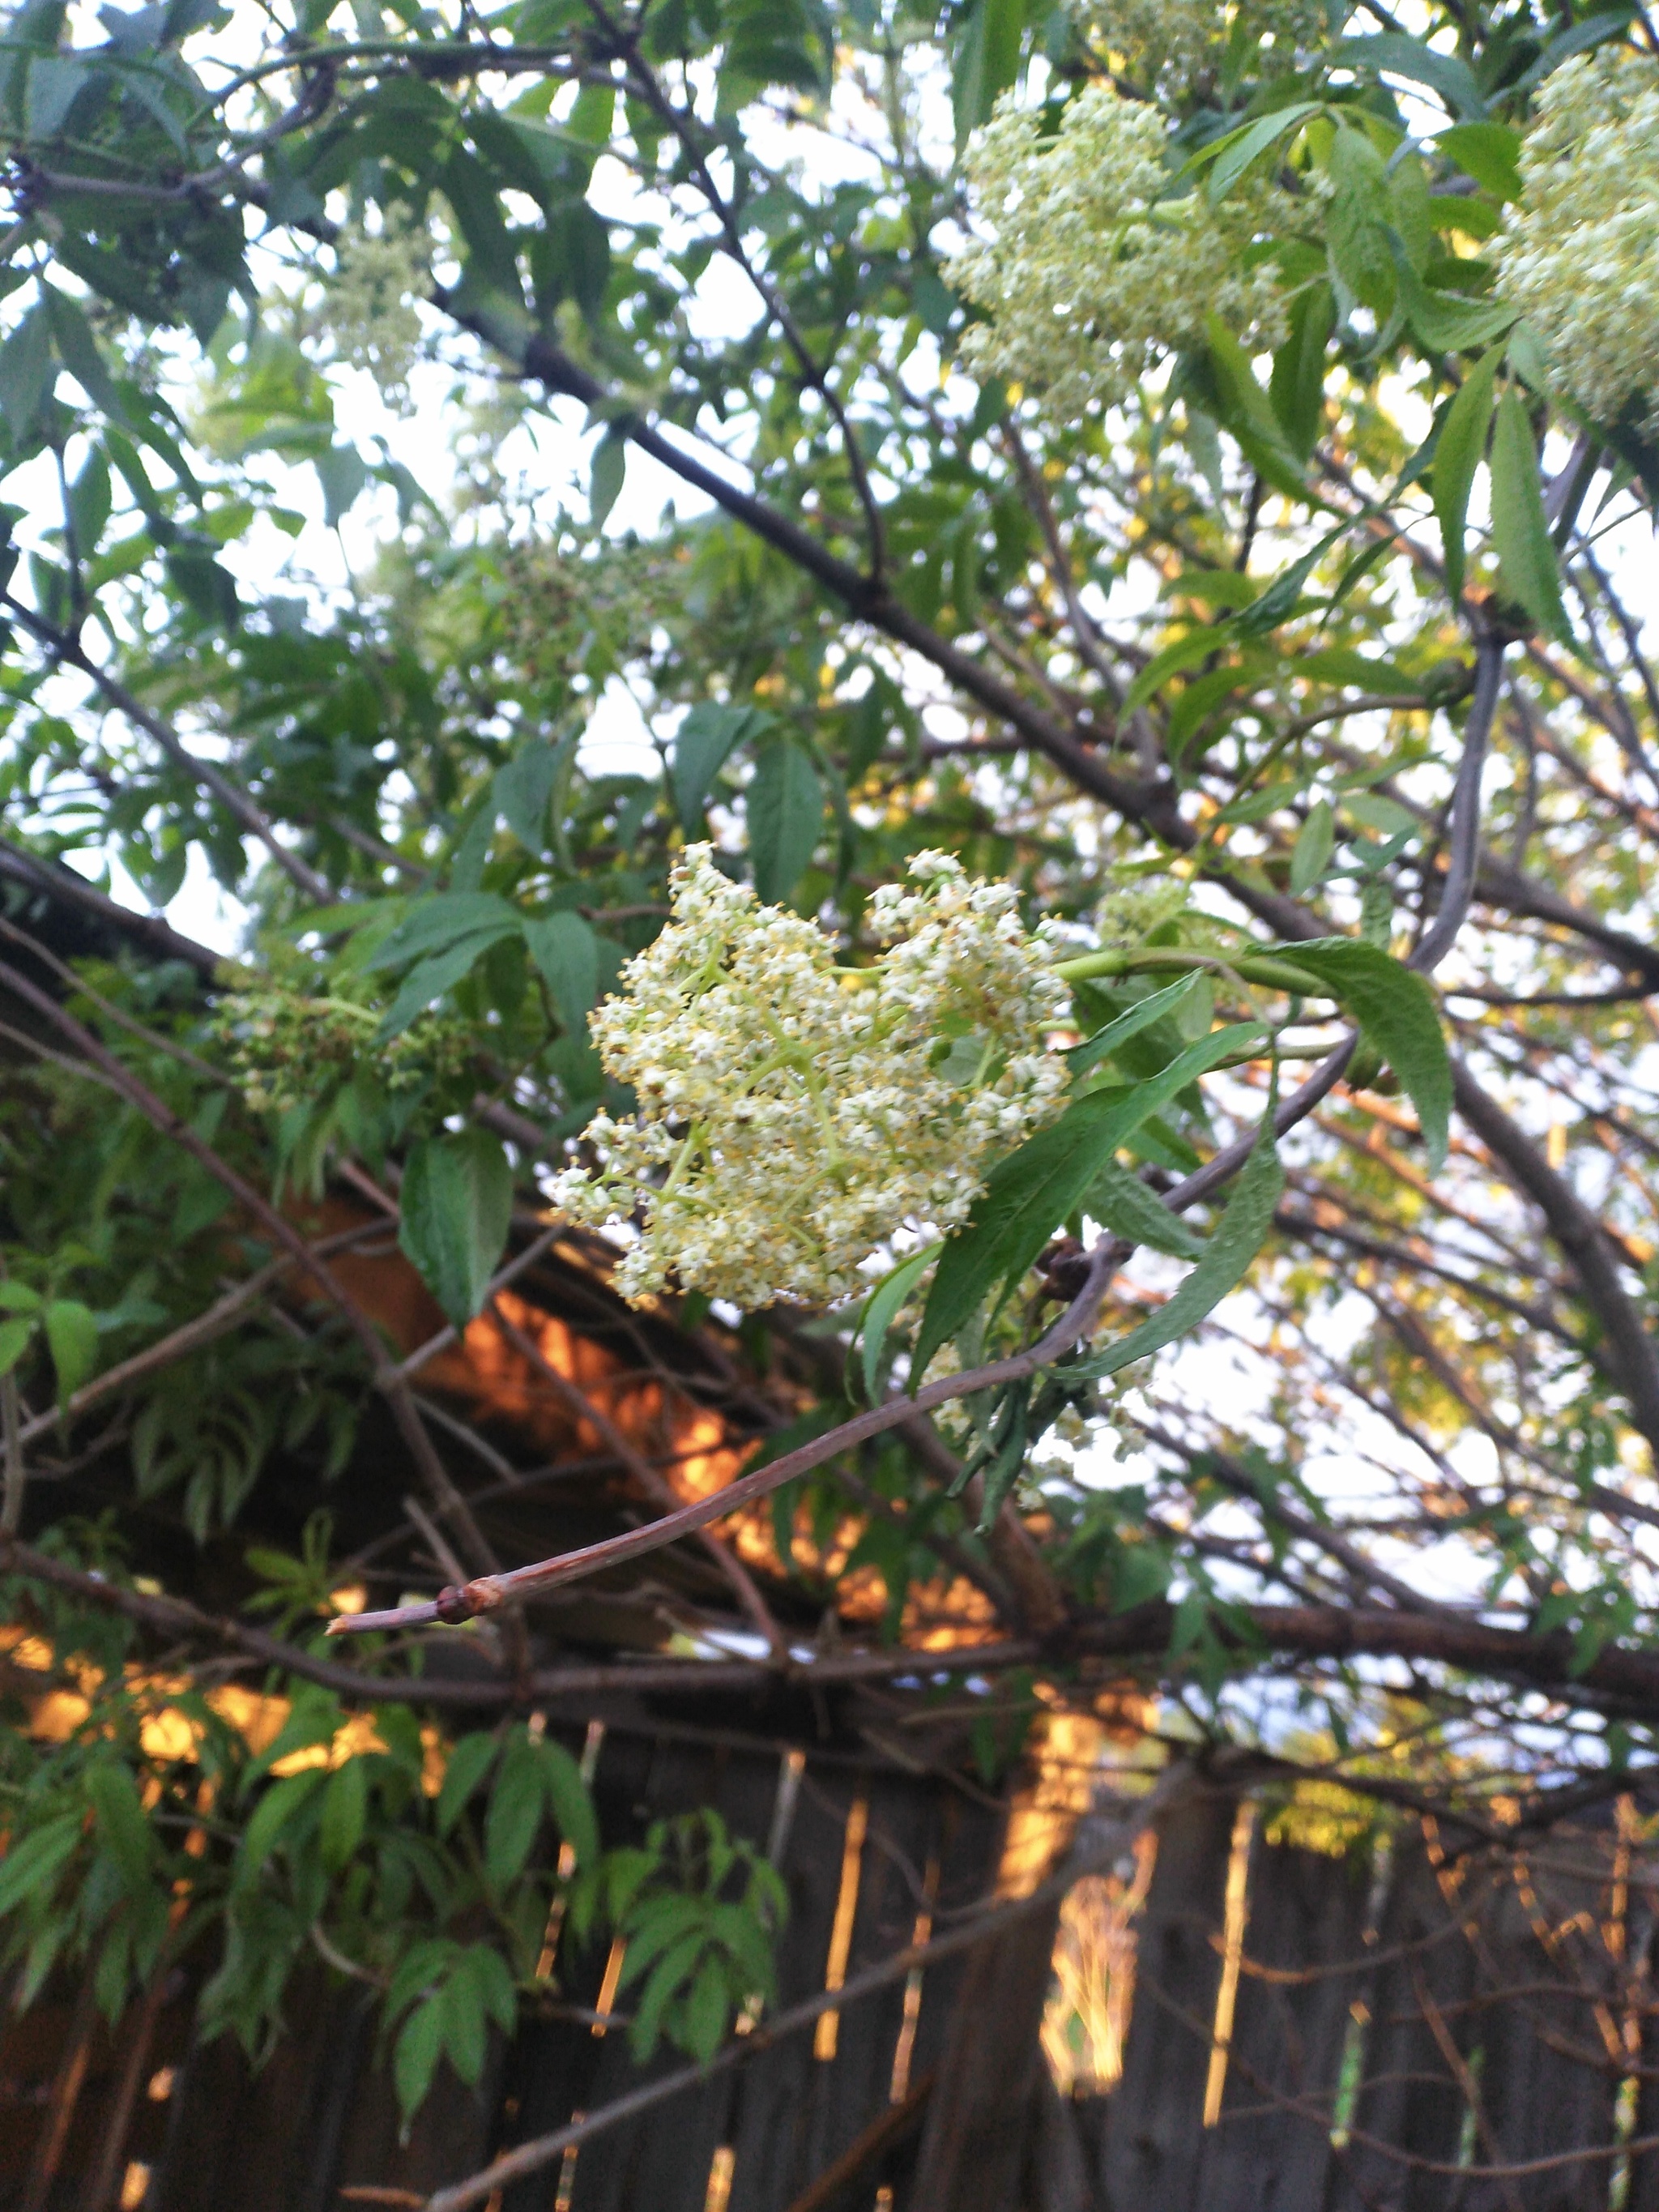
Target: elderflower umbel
[[1581, 253], [1170, 46], [794, 1115], [1092, 274], [373, 312]]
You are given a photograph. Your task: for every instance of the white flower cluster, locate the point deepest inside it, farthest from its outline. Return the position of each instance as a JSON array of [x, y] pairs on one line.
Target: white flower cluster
[[1091, 274], [1168, 46], [1580, 255], [373, 315], [794, 1115]]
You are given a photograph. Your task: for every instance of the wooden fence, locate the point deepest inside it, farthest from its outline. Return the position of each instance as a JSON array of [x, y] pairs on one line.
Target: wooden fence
[[874, 1857], [1426, 2022]]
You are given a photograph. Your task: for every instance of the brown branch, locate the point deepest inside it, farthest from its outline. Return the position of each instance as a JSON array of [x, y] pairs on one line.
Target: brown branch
[[1581, 1237], [651, 1480]]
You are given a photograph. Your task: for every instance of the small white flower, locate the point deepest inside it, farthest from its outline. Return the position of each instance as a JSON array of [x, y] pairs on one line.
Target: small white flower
[[1093, 272], [807, 1116], [1580, 252]]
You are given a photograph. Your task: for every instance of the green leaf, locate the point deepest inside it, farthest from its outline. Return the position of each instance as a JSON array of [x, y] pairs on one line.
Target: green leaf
[[427, 980], [1296, 387], [604, 485], [281, 1805], [522, 790], [1456, 456], [1398, 55], [122, 1827], [1104, 1043], [26, 371], [438, 922], [14, 1336], [568, 1801], [1121, 1202], [1519, 531], [344, 475], [515, 1811], [1241, 147], [1606, 23], [344, 1815], [986, 62], [567, 953], [1239, 1235], [1197, 645], [1360, 251], [879, 1314], [77, 349], [1397, 1011], [1314, 845], [1488, 152], [72, 1335], [701, 745], [471, 1759], [785, 807], [31, 1865], [1030, 1192], [457, 1203], [420, 2046], [1248, 412]]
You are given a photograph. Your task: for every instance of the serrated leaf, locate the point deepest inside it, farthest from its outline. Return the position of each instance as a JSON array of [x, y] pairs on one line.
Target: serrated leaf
[[1243, 147], [1520, 529], [32, 1862], [345, 1814], [1118, 1032], [26, 372], [72, 1338], [986, 62], [522, 790], [1398, 54], [568, 1801], [703, 744], [420, 2046], [1315, 843], [122, 1827], [1488, 152], [438, 922], [457, 1204], [279, 1807], [567, 953], [1297, 385], [1397, 1011], [1120, 1201], [471, 1759], [1226, 1261], [1029, 1193], [1360, 248], [516, 1804], [1457, 455], [881, 1311], [785, 810], [1197, 645], [604, 485]]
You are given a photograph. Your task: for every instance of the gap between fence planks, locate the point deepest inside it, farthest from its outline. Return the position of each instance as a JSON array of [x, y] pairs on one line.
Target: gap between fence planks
[[1107, 1844]]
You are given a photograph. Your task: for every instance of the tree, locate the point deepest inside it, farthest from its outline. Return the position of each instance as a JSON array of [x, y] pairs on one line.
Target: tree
[[1182, 472]]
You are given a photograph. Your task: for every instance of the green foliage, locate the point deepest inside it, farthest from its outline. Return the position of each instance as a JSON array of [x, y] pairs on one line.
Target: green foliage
[[1187, 674], [696, 1909]]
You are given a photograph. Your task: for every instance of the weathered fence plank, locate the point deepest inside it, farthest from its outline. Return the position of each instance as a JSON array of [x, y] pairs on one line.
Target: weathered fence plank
[[1303, 1951], [1151, 2146]]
